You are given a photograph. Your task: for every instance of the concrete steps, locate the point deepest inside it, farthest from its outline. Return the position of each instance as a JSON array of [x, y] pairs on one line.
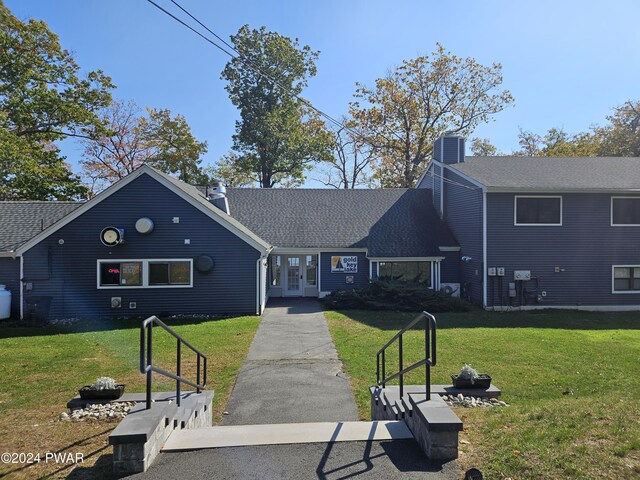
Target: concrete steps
[[287, 433]]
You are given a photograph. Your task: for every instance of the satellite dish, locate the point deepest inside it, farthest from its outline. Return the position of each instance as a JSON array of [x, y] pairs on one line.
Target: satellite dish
[[112, 236]]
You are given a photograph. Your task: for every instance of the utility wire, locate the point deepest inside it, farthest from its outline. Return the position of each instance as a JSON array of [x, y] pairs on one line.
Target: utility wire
[[239, 56], [248, 63]]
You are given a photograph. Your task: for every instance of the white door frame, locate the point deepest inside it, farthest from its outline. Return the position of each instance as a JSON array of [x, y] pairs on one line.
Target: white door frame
[[301, 274]]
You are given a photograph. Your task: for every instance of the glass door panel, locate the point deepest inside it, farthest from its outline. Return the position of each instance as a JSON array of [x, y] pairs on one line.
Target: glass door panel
[[293, 275]]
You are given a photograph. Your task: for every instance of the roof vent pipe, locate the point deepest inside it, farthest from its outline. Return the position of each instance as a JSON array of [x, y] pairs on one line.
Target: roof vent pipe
[[218, 197]]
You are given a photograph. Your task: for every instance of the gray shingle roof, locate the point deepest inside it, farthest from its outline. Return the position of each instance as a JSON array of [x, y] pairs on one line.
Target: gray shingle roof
[[20, 221], [389, 222], [554, 173]]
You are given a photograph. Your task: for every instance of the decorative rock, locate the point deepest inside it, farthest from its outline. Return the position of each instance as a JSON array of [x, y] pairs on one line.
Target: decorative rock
[[460, 397], [99, 412]]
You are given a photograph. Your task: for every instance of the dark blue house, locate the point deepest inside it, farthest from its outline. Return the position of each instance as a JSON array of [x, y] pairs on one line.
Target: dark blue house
[[150, 244], [541, 232], [503, 232]]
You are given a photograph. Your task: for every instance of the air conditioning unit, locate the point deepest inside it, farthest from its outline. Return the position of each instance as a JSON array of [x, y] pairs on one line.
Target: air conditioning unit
[[452, 289]]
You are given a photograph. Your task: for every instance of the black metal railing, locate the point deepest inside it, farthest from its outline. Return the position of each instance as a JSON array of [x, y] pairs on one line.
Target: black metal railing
[[428, 361], [146, 359]]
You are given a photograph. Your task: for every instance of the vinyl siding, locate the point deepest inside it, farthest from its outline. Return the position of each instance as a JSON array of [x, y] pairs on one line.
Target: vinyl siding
[[463, 215], [71, 281], [10, 277], [584, 248], [437, 191], [330, 282], [450, 267]]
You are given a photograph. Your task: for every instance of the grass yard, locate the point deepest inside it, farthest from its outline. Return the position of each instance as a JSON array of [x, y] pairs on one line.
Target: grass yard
[[42, 368], [571, 379]]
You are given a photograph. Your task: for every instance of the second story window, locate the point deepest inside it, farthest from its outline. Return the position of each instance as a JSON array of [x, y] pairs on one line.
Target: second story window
[[538, 210], [625, 211]]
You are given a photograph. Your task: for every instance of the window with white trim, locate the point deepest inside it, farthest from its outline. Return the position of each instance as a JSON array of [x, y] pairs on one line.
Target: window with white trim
[[538, 210], [169, 273], [152, 273], [625, 211], [126, 274], [626, 279], [419, 272]]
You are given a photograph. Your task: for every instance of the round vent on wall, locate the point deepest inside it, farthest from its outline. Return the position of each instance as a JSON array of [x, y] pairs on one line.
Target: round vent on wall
[[112, 236], [204, 263], [144, 225]]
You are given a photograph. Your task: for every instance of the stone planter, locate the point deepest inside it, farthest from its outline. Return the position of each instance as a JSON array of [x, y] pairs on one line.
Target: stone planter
[[86, 393], [481, 383]]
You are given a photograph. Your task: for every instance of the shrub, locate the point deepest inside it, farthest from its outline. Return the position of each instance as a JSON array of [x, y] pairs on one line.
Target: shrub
[[104, 383], [394, 295]]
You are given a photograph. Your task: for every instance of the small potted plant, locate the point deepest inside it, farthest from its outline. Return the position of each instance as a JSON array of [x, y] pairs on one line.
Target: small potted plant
[[104, 388], [470, 378]]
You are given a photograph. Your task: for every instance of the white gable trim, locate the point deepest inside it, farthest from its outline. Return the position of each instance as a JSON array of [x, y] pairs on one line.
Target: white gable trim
[[219, 216]]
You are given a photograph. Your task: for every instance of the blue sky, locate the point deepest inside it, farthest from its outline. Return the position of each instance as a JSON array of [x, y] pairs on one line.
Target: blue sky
[[567, 63]]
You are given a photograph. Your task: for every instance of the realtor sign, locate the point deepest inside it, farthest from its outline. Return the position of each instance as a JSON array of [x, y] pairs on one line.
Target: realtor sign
[[348, 264]]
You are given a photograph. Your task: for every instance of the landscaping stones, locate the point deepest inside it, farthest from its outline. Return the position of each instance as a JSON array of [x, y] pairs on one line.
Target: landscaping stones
[[472, 402], [108, 412]]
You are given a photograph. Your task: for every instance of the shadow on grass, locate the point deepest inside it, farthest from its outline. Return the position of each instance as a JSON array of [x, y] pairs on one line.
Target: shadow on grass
[[478, 318], [12, 329]]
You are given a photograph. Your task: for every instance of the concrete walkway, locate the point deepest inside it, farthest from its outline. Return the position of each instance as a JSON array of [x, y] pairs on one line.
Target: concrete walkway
[[292, 373]]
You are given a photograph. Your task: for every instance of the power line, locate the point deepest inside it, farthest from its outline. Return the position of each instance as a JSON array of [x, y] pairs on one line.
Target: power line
[[452, 182], [248, 63], [239, 56]]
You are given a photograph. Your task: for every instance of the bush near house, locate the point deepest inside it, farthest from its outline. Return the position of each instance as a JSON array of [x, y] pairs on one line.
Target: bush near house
[[396, 296]]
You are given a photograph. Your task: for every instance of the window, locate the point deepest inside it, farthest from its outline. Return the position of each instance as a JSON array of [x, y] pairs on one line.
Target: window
[[276, 263], [538, 210], [626, 279], [625, 211], [405, 271], [311, 266], [127, 274], [169, 273], [156, 273]]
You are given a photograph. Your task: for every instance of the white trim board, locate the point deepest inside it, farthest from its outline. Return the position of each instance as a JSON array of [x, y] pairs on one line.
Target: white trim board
[[585, 308], [405, 259]]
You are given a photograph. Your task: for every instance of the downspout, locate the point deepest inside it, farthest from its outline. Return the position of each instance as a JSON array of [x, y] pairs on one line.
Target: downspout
[[21, 288], [484, 248], [258, 285]]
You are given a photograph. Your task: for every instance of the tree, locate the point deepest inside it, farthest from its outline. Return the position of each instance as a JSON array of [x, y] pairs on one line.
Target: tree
[[113, 154], [350, 167], [418, 102], [131, 139], [482, 147], [230, 172], [174, 148], [278, 136], [557, 143], [42, 100], [621, 138]]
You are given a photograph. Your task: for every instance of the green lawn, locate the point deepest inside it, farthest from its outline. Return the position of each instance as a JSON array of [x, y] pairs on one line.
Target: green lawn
[[570, 378], [42, 368]]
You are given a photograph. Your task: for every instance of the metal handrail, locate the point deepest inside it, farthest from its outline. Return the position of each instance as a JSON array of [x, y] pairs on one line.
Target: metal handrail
[[429, 355], [146, 359]]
